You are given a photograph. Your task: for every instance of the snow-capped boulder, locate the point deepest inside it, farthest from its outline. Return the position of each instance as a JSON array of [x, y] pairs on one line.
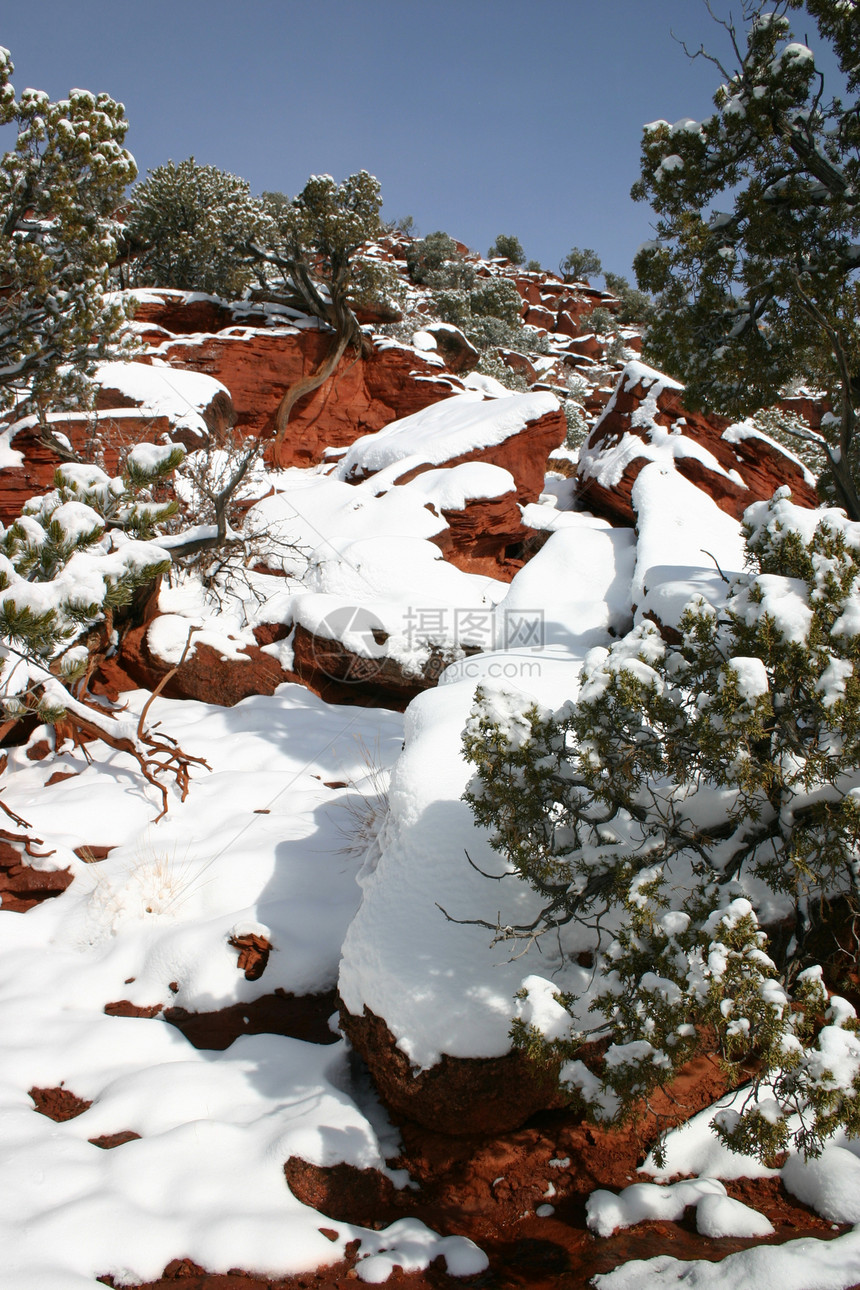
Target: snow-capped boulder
[[645, 420], [216, 670], [458, 352], [516, 432], [193, 403]]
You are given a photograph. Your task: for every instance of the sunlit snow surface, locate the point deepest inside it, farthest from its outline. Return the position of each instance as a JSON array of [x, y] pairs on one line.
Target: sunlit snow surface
[[261, 845], [206, 1179]]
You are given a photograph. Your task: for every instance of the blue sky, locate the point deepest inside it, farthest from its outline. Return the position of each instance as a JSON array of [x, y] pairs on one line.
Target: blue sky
[[478, 117]]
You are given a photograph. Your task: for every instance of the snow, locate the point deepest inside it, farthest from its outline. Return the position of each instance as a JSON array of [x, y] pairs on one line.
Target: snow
[[576, 588], [684, 540], [10, 457], [445, 430], [163, 391], [806, 1264], [607, 1212], [347, 883], [830, 1184], [718, 1216], [216, 1127]]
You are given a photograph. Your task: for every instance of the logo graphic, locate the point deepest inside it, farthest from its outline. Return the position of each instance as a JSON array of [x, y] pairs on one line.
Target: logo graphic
[[349, 645]]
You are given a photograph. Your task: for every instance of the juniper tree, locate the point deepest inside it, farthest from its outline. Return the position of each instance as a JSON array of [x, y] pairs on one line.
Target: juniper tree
[[72, 558], [430, 253], [580, 264], [59, 187], [756, 264], [636, 306], [688, 790], [187, 227], [508, 246], [311, 260]]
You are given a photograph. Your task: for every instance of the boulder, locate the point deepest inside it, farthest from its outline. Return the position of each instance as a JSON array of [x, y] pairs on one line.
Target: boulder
[[645, 420], [109, 437], [134, 403], [486, 536], [458, 352], [205, 675], [517, 433], [183, 313], [459, 1096], [521, 364], [194, 404], [338, 674], [541, 317]]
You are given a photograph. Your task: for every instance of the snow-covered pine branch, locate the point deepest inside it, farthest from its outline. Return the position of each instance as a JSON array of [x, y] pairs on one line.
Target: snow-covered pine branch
[[74, 556], [690, 793]]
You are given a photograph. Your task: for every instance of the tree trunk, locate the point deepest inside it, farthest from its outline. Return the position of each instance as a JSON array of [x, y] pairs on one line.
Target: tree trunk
[[307, 384]]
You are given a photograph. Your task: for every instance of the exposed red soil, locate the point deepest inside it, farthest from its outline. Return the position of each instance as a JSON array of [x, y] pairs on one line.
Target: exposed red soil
[[109, 1140], [455, 1096], [58, 1103], [486, 1186], [254, 954], [22, 886], [296, 1016], [488, 1189]]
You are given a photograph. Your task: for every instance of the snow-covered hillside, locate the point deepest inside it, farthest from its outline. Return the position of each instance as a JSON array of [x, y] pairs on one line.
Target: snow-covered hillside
[[170, 1009]]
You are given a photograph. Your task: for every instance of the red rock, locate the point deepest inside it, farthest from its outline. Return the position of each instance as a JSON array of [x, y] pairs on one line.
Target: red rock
[[125, 1008], [90, 855], [110, 1140], [254, 954], [362, 396], [520, 364], [458, 1095], [591, 346], [529, 288], [218, 415], [523, 453], [184, 313], [36, 473], [487, 537], [336, 674], [458, 352], [296, 1016], [22, 886], [59, 1104], [541, 317], [365, 1197], [759, 464], [205, 675]]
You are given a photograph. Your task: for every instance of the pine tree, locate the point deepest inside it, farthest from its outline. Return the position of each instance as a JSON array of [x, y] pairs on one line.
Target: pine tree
[[766, 290], [188, 227], [580, 264], [74, 556], [59, 188], [686, 789]]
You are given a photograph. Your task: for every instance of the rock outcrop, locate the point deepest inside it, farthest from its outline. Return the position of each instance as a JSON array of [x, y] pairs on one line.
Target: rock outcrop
[[645, 420], [205, 675], [340, 675], [258, 354], [516, 433], [458, 1096]]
